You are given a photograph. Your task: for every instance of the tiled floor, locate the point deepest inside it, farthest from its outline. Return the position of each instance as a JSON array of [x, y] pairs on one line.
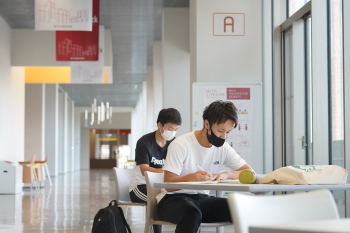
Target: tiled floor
[[68, 206]]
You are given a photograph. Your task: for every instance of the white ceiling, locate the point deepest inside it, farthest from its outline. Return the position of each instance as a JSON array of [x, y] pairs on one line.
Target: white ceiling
[[134, 24]]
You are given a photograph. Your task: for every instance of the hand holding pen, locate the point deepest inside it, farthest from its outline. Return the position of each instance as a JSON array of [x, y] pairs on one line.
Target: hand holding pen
[[202, 175]]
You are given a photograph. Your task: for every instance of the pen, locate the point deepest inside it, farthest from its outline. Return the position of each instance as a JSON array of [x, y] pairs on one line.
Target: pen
[[199, 167]]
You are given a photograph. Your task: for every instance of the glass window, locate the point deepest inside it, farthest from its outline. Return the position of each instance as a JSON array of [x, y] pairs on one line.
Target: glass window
[[295, 5]]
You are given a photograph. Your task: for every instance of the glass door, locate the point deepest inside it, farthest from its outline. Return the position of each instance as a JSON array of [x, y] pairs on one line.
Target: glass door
[[297, 93]]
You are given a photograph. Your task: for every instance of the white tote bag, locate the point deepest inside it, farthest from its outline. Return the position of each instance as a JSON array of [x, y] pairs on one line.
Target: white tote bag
[[325, 174]]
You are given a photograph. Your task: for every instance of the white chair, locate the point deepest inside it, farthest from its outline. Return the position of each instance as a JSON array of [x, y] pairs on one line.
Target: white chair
[[152, 192], [249, 210], [123, 179]]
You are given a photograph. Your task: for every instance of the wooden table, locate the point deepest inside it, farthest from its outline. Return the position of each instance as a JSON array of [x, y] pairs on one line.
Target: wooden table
[[322, 226]]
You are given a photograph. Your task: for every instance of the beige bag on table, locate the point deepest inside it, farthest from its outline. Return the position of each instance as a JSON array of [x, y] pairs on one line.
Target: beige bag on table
[[311, 174]]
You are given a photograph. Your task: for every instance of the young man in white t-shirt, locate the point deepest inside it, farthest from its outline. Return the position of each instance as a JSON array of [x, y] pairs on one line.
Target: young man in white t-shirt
[[207, 148]]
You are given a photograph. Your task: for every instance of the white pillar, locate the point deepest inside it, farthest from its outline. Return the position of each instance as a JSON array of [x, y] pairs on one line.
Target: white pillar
[[85, 149], [151, 121], [65, 134], [69, 134], [72, 132], [61, 131], [34, 142], [12, 101], [77, 139], [217, 54], [157, 78], [320, 83], [51, 127], [176, 63]]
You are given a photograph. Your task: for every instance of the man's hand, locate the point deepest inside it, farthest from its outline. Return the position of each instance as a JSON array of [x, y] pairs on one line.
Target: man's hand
[[220, 176], [201, 176]]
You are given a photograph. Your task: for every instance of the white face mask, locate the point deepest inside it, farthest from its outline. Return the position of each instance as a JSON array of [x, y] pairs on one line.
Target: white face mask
[[168, 135]]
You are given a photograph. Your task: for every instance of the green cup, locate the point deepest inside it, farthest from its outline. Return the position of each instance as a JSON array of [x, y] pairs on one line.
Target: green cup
[[247, 177]]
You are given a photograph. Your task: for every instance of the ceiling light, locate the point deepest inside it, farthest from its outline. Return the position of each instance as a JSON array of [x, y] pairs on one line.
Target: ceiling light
[[135, 86]]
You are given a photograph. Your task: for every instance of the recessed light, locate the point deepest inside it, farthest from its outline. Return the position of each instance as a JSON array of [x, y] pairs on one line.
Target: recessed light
[[135, 86]]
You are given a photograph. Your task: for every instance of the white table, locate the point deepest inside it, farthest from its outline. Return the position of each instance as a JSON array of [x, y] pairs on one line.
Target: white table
[[322, 226], [257, 189], [254, 188]]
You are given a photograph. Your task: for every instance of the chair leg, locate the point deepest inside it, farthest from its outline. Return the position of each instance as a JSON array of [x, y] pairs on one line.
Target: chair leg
[[147, 226], [36, 179], [48, 174]]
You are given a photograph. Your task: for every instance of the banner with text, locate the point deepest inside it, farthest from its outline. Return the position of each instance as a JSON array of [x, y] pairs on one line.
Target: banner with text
[[90, 71], [79, 45], [240, 138], [63, 15]]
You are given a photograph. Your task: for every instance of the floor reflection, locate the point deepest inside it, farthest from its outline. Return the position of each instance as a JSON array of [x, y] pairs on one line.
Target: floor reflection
[[69, 205]]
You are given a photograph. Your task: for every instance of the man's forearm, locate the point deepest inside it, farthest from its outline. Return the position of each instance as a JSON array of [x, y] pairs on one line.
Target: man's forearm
[[185, 178]]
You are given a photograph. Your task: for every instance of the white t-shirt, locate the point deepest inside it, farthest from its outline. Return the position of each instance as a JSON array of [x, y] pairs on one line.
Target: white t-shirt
[[185, 152]]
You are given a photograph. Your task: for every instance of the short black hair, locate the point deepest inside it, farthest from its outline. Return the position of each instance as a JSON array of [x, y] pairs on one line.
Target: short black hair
[[169, 115], [221, 111]]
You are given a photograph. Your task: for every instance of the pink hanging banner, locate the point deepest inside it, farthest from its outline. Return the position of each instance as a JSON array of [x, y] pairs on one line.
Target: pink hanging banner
[[80, 45]]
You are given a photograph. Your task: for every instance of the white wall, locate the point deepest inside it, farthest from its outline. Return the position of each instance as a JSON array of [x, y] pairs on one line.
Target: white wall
[[12, 92], [226, 59], [34, 141], [176, 64], [157, 78]]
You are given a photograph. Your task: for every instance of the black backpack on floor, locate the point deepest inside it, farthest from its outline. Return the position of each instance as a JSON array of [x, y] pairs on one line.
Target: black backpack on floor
[[110, 220]]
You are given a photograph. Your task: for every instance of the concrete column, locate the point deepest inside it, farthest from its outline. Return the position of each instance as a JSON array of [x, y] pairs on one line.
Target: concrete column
[[157, 78], [51, 127], [34, 142], [176, 63]]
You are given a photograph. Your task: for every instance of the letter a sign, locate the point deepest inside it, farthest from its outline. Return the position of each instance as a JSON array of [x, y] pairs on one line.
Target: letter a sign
[[228, 24]]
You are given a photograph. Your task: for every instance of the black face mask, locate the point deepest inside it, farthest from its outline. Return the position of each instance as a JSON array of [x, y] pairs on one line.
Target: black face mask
[[215, 140]]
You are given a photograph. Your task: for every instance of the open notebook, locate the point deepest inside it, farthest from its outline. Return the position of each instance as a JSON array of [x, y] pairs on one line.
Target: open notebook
[[229, 181]]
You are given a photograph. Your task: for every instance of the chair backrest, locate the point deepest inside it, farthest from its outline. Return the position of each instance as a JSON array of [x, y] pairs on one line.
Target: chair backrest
[[248, 210], [152, 192], [33, 159], [47, 159], [123, 179]]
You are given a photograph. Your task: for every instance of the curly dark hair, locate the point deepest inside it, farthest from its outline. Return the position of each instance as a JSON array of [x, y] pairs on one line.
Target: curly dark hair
[[221, 111]]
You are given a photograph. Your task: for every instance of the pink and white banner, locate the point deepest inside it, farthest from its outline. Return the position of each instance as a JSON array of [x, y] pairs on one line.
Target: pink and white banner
[[63, 15], [90, 71]]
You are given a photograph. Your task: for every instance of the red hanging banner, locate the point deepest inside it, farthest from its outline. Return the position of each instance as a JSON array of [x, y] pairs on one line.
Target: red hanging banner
[[80, 45]]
